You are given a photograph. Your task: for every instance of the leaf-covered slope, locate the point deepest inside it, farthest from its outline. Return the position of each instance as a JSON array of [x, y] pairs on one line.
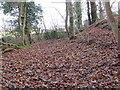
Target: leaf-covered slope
[[64, 63], [105, 24]]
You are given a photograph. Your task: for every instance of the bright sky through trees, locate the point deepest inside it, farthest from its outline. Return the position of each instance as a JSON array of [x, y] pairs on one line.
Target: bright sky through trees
[[51, 15]]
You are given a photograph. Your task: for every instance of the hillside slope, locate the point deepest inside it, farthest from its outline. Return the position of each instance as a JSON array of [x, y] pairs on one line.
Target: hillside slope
[[64, 63]]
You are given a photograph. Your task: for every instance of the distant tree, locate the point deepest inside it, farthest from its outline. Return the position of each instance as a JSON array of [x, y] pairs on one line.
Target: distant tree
[[71, 19], [34, 17], [88, 12], [34, 14], [119, 8], [101, 10], [22, 19], [119, 31], [93, 11], [78, 14], [66, 19]]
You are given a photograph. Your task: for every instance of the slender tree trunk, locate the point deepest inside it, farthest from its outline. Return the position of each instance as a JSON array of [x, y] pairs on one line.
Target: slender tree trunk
[[100, 10], [71, 21], [38, 33], [119, 10], [112, 20], [20, 22], [93, 11], [19, 17], [44, 25], [24, 23], [78, 12], [66, 20], [113, 25], [119, 44], [28, 33], [88, 12], [27, 30], [29, 38], [119, 31]]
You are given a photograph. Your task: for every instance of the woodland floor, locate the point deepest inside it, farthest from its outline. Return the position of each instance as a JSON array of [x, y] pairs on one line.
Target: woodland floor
[[64, 63]]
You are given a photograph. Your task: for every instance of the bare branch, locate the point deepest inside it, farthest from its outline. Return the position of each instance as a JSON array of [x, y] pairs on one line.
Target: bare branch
[[112, 4]]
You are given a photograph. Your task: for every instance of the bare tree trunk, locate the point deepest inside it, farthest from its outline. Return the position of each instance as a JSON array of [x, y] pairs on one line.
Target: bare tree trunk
[[112, 20], [119, 8], [44, 25], [22, 22], [93, 11], [66, 20], [78, 12], [113, 25], [71, 21], [29, 38], [88, 12], [100, 10], [28, 33], [19, 18], [119, 32]]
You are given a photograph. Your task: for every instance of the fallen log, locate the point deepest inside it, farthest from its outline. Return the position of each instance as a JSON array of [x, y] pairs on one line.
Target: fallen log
[[7, 50], [6, 47]]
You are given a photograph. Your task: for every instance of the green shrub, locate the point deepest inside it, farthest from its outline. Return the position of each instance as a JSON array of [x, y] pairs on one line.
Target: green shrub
[[46, 35], [54, 34], [62, 34]]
